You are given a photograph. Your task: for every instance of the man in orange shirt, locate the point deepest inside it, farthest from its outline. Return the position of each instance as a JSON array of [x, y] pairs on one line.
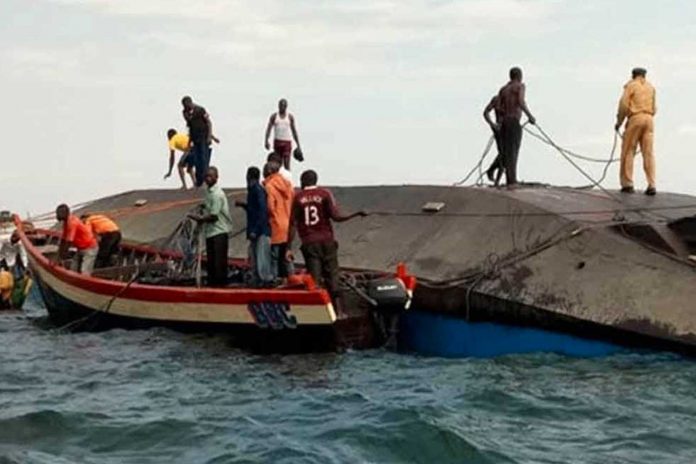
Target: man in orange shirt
[[76, 234], [108, 234], [279, 193], [638, 105]]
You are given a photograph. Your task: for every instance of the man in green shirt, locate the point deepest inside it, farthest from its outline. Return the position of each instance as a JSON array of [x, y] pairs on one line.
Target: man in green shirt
[[216, 226]]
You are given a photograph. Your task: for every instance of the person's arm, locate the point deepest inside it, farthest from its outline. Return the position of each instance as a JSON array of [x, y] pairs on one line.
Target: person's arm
[[294, 131], [210, 127], [171, 164], [487, 114], [622, 112], [337, 216], [295, 213], [268, 132], [212, 212], [525, 108], [254, 201], [654, 102]]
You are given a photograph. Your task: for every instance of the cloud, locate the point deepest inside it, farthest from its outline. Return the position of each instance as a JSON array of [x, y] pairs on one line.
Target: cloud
[[348, 38]]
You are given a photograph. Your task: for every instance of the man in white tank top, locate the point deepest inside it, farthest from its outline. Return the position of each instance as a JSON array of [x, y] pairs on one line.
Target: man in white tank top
[[284, 131]]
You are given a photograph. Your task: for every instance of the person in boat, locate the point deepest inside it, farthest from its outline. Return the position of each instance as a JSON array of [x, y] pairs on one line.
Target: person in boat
[[179, 141], [313, 210], [284, 131], [217, 224], [276, 158], [495, 171], [13, 253], [77, 234], [258, 230], [200, 137], [512, 103], [108, 234], [637, 106], [7, 285], [279, 192]]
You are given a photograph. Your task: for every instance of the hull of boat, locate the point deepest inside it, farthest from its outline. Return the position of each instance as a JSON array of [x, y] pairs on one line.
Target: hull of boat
[[275, 320]]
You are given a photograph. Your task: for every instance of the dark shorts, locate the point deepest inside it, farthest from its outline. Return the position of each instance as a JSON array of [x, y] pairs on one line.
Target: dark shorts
[[186, 160], [283, 148]]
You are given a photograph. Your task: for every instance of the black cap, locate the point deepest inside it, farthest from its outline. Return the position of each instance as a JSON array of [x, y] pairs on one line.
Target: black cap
[[639, 72]]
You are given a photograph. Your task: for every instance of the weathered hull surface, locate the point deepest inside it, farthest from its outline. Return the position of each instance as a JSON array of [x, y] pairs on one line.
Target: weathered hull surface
[[607, 266]]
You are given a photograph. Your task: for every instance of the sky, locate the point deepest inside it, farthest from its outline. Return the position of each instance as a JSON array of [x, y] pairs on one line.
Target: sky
[[383, 92]]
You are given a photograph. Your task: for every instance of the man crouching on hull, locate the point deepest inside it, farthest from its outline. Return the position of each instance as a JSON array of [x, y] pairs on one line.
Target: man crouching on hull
[[313, 210]]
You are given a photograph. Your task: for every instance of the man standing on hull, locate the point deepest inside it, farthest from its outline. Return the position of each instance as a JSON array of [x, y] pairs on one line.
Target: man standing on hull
[[638, 105], [284, 131], [512, 104], [200, 137]]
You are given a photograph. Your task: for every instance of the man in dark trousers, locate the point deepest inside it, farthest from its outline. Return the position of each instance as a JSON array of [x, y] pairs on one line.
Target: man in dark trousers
[[217, 224], [258, 229], [495, 171], [313, 210], [200, 137], [512, 104]]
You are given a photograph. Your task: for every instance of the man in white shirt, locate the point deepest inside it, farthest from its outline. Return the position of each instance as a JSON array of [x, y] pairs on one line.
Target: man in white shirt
[[284, 132], [10, 249]]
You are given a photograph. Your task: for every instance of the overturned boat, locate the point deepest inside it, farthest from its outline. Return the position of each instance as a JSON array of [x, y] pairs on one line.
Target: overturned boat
[[152, 287], [533, 268]]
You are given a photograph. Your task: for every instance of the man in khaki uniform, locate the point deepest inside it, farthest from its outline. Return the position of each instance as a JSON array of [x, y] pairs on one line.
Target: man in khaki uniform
[[638, 105]]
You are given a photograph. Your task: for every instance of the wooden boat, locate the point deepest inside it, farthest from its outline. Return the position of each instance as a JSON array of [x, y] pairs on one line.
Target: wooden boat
[[146, 290]]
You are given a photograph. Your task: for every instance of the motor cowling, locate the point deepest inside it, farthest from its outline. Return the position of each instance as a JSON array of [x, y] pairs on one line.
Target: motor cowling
[[389, 293]]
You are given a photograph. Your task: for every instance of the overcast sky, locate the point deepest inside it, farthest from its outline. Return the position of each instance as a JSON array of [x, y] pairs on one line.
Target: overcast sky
[[384, 92]]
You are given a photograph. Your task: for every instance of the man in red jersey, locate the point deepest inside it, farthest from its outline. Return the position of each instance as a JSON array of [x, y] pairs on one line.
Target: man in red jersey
[[76, 234], [313, 209]]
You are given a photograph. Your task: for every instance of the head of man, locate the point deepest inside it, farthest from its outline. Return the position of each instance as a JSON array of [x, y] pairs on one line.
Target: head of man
[[638, 72], [275, 157], [187, 103], [62, 212], [14, 238], [171, 133], [270, 168], [516, 74], [282, 106], [253, 175], [211, 176], [309, 178]]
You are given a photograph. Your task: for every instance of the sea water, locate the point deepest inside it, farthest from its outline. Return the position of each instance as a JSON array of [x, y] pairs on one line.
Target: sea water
[[158, 396]]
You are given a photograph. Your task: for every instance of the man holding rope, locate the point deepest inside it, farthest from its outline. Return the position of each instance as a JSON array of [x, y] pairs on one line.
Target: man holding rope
[[637, 104], [511, 104]]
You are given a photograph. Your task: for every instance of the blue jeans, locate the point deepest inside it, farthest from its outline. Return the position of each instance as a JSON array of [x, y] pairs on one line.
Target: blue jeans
[[200, 152], [260, 258]]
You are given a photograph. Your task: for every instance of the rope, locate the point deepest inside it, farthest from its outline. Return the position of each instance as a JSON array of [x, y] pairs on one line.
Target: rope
[[105, 309], [478, 165]]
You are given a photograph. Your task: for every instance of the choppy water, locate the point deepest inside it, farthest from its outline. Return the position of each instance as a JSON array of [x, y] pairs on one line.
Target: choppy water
[[160, 396]]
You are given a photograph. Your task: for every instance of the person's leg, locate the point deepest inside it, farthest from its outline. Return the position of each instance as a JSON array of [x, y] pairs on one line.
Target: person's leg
[[222, 244], [105, 245], [646, 148], [312, 258], [207, 155], [507, 147], [516, 136], [330, 269], [263, 259], [199, 161], [210, 261], [89, 257], [628, 152], [180, 167], [282, 261], [275, 260]]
